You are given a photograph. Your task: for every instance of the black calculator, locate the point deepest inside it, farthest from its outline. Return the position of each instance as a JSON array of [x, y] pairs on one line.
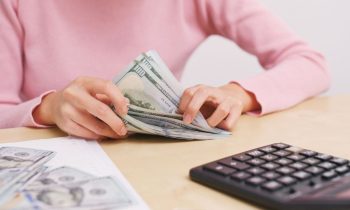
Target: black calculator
[[281, 176]]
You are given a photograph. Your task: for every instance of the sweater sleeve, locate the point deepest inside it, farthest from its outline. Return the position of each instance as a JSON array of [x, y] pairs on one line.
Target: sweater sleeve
[[293, 70], [14, 112]]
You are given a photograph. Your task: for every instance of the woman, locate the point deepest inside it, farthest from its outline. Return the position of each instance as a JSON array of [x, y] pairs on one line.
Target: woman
[[47, 48]]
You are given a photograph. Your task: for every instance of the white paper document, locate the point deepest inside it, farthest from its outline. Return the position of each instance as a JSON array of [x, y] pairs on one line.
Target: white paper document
[[63, 173]]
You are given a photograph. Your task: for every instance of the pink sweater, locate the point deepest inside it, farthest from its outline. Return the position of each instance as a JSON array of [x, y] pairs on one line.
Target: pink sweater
[[45, 44]]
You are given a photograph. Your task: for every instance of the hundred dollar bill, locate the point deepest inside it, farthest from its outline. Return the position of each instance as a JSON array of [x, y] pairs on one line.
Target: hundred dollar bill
[[58, 176], [150, 67], [18, 164], [93, 194], [154, 95], [16, 187], [169, 122]]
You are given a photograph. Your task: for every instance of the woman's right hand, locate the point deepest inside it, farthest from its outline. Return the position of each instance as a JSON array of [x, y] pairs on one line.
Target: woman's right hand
[[82, 109]]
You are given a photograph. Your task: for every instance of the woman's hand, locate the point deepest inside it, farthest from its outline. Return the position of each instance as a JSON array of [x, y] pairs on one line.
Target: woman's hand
[[80, 109], [221, 106]]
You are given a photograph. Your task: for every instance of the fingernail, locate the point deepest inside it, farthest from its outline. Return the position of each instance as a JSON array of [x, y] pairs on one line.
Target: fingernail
[[124, 111], [210, 124], [123, 131], [187, 119]]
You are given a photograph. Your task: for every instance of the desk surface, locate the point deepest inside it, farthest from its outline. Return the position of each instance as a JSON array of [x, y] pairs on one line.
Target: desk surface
[[158, 167]]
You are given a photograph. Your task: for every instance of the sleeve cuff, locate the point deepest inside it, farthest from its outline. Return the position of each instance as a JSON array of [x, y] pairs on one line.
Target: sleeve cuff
[[29, 119], [266, 92]]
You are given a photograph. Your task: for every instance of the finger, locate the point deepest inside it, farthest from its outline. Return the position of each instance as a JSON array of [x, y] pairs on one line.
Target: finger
[[198, 99], [95, 86], [231, 120], [101, 111], [220, 113], [186, 97], [93, 124], [103, 98], [72, 128]]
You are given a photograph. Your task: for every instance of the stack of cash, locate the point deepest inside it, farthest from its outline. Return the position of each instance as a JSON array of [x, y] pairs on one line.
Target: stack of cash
[[26, 184], [154, 95]]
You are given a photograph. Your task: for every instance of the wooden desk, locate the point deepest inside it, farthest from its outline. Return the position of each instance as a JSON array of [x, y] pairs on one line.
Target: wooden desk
[[158, 167]]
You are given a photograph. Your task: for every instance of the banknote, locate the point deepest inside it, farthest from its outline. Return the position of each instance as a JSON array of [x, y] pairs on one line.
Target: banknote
[[32, 180], [19, 185], [59, 176], [94, 194], [154, 94], [17, 166]]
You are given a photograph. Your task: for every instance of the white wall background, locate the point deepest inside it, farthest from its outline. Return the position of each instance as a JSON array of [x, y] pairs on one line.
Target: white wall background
[[324, 24]]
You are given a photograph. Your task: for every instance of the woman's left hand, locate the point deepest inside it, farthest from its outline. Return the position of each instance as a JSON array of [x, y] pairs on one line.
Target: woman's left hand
[[221, 106]]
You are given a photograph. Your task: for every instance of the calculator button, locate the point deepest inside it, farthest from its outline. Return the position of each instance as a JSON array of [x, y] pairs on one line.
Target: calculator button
[[311, 161], [282, 153], [234, 164], [298, 165], [255, 180], [339, 161], [240, 176], [270, 166], [283, 161], [269, 157], [256, 161], [272, 186], [296, 157], [280, 146], [327, 165], [342, 169], [241, 157], [323, 157], [267, 149], [285, 170], [314, 170], [271, 175], [294, 149], [256, 170], [219, 169], [287, 180], [301, 175], [308, 153], [255, 153], [329, 174]]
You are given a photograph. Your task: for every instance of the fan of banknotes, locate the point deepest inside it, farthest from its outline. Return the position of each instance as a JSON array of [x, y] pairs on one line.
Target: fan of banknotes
[[23, 174], [154, 95]]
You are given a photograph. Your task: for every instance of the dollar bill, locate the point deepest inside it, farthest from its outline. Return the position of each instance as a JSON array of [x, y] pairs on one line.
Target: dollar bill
[[154, 95], [16, 187], [17, 166], [59, 176], [170, 123], [93, 194]]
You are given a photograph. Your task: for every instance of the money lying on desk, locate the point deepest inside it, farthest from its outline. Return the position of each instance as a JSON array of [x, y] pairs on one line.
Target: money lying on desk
[[58, 176], [69, 188], [17, 166], [26, 184], [154, 95]]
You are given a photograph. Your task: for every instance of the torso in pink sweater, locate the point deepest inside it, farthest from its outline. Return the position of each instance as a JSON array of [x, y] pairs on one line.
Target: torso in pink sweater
[[46, 44]]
